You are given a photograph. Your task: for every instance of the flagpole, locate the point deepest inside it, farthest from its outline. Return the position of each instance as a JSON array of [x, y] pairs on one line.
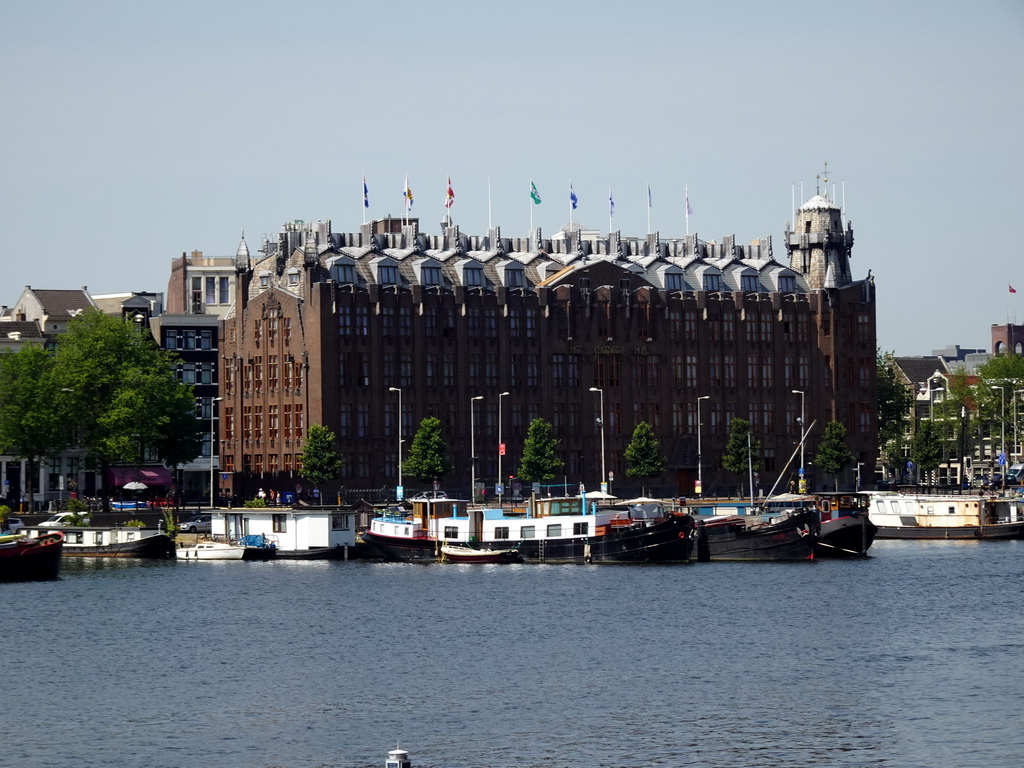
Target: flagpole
[[570, 204], [531, 209], [686, 206], [648, 209], [363, 205], [611, 209], [488, 203]]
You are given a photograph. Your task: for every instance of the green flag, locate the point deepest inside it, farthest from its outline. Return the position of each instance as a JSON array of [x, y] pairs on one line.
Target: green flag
[[534, 194]]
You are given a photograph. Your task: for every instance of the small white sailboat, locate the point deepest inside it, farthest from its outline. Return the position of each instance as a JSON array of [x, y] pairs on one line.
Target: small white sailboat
[[211, 550]]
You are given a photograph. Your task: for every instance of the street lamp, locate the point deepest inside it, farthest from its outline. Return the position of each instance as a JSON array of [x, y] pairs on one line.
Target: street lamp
[[1002, 428], [399, 491], [472, 446], [604, 477], [803, 482], [213, 412], [501, 445], [700, 462]]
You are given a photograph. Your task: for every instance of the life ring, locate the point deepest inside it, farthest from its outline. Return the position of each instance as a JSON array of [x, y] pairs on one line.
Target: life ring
[[683, 534], [587, 559]]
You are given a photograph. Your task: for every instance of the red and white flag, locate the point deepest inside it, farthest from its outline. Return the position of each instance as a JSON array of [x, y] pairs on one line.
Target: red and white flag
[[449, 198], [1012, 289]]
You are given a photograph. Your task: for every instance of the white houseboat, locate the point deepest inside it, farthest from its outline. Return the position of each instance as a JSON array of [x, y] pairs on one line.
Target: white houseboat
[[302, 533], [902, 516]]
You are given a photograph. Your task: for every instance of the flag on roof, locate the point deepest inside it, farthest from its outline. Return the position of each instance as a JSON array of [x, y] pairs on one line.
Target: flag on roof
[[407, 195], [689, 210], [449, 197], [534, 194], [1012, 289], [611, 203], [572, 197], [650, 202], [366, 194]]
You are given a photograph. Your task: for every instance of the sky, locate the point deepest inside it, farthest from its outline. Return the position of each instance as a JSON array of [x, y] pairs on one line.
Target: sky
[[134, 132]]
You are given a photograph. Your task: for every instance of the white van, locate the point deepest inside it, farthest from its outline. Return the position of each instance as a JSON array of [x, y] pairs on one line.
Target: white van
[[60, 520], [1015, 474]]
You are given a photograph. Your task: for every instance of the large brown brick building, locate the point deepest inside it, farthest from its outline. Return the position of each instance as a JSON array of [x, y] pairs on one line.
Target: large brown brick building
[[345, 329]]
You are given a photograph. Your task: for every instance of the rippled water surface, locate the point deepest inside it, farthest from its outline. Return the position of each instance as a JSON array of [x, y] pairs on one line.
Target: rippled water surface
[[914, 657]]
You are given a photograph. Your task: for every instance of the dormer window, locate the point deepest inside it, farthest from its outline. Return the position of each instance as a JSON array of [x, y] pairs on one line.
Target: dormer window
[[749, 283], [431, 276], [293, 277], [473, 277], [514, 278], [674, 281], [787, 284], [387, 274], [264, 280], [345, 273], [712, 282]]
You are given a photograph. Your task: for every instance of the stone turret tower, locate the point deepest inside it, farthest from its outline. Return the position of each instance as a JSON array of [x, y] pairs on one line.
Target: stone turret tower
[[818, 246]]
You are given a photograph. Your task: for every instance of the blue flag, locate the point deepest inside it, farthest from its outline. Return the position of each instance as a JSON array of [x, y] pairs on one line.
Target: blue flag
[[366, 194], [572, 198]]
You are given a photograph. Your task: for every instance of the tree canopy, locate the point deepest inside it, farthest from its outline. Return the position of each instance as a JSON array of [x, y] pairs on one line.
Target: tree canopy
[[926, 449], [30, 424], [321, 460], [833, 455], [540, 462], [428, 457], [644, 453], [121, 398], [741, 454]]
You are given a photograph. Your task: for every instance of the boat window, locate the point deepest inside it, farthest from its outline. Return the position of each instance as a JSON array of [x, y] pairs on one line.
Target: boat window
[[555, 530], [97, 537], [528, 532], [75, 537], [131, 535], [952, 510], [451, 532], [895, 506], [280, 523], [580, 529], [501, 532], [930, 509]]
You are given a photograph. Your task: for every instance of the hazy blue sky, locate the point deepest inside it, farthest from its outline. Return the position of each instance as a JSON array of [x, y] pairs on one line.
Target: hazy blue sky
[[134, 131]]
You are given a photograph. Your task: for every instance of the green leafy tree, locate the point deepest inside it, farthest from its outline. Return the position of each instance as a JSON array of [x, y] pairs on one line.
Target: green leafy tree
[[30, 425], [833, 454], [742, 450], [644, 454], [539, 459], [321, 460], [926, 449], [122, 398], [428, 456], [894, 404]]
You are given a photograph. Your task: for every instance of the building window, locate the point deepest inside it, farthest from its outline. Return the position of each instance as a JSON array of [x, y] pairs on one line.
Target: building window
[[387, 274], [674, 281], [712, 282], [514, 278], [787, 284], [225, 291], [264, 281], [749, 283], [473, 277], [432, 276], [211, 290], [293, 277]]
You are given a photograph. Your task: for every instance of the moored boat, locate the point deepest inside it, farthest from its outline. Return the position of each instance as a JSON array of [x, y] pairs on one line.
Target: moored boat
[[905, 516], [783, 535], [553, 530], [113, 541], [457, 553], [845, 526], [211, 550], [28, 558]]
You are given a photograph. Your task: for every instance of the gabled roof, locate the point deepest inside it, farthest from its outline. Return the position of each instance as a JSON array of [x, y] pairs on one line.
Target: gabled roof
[[63, 303]]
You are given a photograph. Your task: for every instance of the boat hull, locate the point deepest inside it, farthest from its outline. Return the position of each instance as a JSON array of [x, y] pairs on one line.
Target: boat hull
[[210, 551], [151, 546], [792, 538], [32, 559], [480, 556], [966, 532], [397, 549], [847, 536]]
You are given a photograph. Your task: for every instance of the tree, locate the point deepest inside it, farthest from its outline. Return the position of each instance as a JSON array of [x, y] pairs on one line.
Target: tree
[[833, 454], [428, 458], [926, 449], [742, 449], [123, 399], [894, 404], [644, 454], [29, 420], [321, 460], [539, 459]]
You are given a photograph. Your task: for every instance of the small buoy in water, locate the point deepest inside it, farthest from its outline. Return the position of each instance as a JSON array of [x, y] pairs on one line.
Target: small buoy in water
[[398, 758]]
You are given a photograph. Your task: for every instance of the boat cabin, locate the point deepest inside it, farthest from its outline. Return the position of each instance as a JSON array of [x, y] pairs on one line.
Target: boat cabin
[[398, 758]]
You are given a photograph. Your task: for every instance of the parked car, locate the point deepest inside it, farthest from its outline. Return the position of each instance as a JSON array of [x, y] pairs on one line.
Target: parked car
[[14, 524], [198, 524], [61, 519], [430, 495]]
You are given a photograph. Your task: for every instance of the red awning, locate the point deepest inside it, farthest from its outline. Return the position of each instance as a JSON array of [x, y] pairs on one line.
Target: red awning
[[118, 476]]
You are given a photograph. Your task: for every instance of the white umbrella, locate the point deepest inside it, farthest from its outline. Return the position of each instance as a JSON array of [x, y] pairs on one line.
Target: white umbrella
[[643, 500], [135, 485], [600, 495]]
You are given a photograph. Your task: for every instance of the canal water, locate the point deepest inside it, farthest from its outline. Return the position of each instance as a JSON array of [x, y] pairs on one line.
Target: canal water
[[914, 657]]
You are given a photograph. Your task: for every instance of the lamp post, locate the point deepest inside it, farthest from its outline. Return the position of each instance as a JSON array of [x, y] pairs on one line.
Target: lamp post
[[501, 445], [803, 481], [1016, 442], [213, 413], [1002, 429], [700, 460], [399, 491], [472, 446], [604, 476]]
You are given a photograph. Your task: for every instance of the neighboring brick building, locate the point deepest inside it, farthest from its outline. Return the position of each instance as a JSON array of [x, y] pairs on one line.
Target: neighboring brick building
[[327, 326]]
